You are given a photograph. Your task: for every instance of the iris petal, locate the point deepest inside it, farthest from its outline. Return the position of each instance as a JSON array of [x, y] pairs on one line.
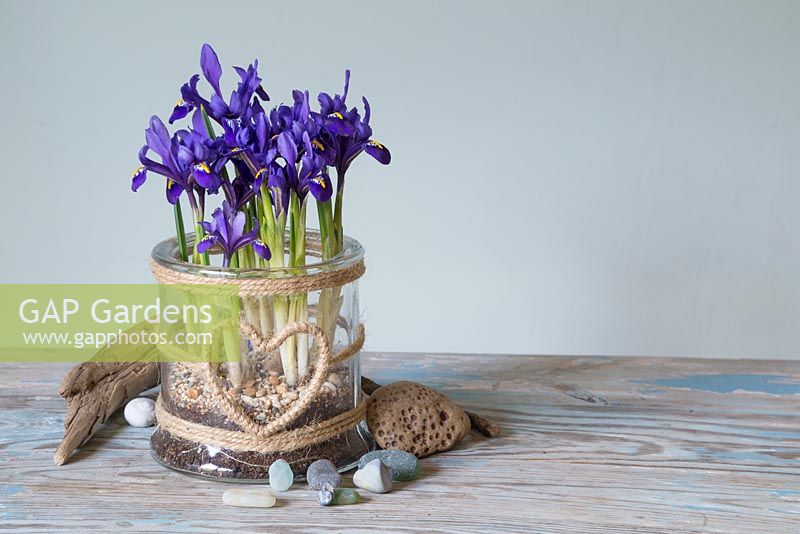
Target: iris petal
[[209, 227], [206, 243], [262, 249], [181, 110], [325, 103], [217, 107], [209, 64], [320, 187], [336, 124], [286, 148], [173, 191], [346, 84], [205, 178], [139, 176], [378, 151]]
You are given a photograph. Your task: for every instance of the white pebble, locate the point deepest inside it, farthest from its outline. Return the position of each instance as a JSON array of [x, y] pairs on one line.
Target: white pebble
[[260, 498], [374, 477], [141, 412]]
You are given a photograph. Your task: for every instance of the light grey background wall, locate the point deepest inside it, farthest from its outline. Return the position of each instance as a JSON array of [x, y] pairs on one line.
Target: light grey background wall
[[568, 177]]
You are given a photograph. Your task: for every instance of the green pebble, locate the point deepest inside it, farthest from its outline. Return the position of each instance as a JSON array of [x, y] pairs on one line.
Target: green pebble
[[346, 496], [280, 475]]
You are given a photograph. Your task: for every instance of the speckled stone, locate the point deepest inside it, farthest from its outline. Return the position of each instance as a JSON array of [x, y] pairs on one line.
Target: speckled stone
[[280, 475], [374, 477], [321, 472], [404, 465]]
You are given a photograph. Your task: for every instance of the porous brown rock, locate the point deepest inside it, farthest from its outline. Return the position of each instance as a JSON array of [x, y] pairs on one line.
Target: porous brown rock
[[417, 419]]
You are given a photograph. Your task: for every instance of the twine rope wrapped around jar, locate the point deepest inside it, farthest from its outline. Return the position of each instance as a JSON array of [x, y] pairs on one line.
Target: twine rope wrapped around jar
[[272, 436]]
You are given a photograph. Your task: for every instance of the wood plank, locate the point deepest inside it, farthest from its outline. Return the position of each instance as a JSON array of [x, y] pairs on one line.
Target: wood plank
[[590, 444]]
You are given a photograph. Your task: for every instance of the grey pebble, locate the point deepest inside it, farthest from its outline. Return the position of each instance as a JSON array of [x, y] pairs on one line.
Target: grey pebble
[[326, 494], [321, 472]]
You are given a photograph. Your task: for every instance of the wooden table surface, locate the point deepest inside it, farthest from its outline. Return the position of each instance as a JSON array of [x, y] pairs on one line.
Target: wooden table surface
[[591, 444]]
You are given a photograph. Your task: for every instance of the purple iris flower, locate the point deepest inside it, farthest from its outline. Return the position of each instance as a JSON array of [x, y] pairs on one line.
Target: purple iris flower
[[190, 99], [345, 132], [189, 160], [227, 230], [217, 108], [335, 117], [308, 176], [239, 101], [320, 186]]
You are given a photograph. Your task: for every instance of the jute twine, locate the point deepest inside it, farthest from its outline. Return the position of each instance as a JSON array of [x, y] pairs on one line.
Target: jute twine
[[259, 287], [272, 436]]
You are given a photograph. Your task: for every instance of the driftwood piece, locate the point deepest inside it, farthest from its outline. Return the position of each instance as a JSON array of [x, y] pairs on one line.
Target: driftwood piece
[[478, 423], [94, 391]]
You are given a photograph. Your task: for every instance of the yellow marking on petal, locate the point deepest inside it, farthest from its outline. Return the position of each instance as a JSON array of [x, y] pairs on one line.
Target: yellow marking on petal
[[316, 144], [260, 172], [179, 103], [137, 171], [170, 183], [203, 167], [337, 115], [320, 181], [237, 150], [375, 144]]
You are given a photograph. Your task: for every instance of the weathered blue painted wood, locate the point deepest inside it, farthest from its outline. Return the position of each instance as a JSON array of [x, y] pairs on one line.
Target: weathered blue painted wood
[[590, 444]]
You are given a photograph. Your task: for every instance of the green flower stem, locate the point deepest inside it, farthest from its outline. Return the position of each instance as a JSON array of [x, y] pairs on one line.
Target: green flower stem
[[292, 344], [297, 232], [338, 232], [326, 314], [294, 230], [265, 311], [180, 231], [268, 230], [259, 214], [248, 259], [325, 215], [273, 231], [252, 214], [198, 233], [299, 303]]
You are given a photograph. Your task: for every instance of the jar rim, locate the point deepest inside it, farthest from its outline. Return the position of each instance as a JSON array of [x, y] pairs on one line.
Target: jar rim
[[166, 254]]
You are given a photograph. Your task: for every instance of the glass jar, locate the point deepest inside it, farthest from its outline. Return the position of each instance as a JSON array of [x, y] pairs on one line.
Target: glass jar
[[266, 385]]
